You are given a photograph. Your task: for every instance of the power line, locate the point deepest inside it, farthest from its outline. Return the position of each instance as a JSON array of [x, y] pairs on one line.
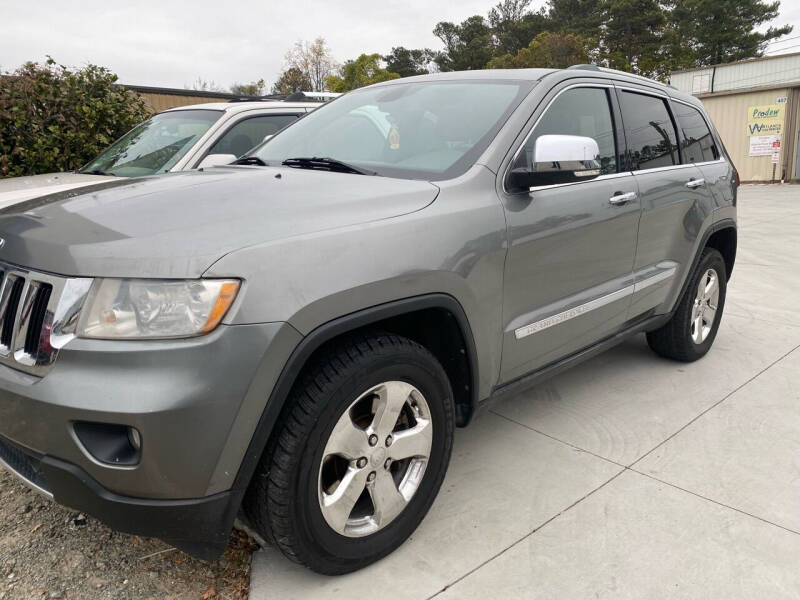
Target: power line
[[797, 37], [782, 49]]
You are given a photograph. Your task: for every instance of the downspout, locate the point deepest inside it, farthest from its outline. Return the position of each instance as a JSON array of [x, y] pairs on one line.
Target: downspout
[[713, 76]]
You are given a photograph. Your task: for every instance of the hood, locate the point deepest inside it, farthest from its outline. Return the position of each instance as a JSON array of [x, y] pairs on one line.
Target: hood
[[18, 189], [177, 225]]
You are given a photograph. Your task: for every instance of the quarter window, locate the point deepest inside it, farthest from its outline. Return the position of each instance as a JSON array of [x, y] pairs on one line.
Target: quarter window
[[697, 143], [652, 141], [579, 111]]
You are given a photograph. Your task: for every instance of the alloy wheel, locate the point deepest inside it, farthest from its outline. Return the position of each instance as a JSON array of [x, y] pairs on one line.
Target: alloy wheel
[[704, 309], [375, 459]]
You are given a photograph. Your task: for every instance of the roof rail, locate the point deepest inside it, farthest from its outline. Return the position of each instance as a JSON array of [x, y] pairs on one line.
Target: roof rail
[[618, 72], [311, 96], [293, 97]]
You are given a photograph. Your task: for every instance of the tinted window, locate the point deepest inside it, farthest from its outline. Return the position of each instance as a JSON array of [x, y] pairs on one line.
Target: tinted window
[[423, 130], [698, 144], [155, 145], [649, 130], [250, 133], [579, 111]]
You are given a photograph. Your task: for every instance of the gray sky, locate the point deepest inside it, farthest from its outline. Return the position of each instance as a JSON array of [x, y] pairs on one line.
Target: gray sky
[[172, 42]]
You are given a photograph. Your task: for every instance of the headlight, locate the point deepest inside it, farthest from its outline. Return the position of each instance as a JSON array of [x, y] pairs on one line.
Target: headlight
[[155, 308]]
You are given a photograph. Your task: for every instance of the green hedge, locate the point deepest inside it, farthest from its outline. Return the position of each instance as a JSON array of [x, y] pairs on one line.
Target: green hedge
[[57, 119]]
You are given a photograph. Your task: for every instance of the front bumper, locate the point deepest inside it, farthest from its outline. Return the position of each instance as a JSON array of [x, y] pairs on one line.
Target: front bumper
[[195, 402], [199, 526]]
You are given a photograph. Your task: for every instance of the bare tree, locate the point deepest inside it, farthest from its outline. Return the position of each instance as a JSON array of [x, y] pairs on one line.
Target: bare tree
[[204, 85], [313, 60]]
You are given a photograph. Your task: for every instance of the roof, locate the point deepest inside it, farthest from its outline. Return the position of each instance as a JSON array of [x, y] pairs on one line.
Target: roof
[[523, 74], [236, 107], [478, 74]]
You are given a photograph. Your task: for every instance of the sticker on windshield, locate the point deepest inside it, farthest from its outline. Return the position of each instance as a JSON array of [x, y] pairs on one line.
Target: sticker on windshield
[[394, 137]]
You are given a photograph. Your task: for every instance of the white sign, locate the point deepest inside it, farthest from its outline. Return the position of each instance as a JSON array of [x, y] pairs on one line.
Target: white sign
[[776, 156], [781, 100], [762, 145]]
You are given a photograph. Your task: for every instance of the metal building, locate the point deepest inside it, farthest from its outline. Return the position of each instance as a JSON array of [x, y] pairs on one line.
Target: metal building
[[754, 105]]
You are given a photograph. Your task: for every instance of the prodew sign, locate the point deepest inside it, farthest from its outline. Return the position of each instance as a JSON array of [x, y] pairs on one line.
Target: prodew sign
[[765, 119]]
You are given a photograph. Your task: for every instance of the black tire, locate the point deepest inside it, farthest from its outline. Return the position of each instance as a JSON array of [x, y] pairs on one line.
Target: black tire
[[674, 340], [283, 499]]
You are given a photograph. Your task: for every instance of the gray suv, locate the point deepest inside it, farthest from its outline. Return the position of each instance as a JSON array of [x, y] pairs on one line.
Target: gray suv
[[294, 338]]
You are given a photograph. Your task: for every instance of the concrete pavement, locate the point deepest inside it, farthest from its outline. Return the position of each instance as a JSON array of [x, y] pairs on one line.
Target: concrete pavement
[[629, 476]]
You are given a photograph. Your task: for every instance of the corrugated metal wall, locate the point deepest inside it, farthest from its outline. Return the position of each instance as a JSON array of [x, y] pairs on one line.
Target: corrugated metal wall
[[161, 102], [773, 70], [730, 115]]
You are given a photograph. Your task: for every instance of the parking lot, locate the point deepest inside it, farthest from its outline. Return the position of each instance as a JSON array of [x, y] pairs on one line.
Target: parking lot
[[628, 476]]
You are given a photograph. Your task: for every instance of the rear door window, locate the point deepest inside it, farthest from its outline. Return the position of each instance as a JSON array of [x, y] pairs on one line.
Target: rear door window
[[697, 143], [652, 141]]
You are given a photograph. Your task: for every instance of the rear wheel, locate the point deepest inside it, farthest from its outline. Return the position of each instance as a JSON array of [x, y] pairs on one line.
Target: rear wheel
[[692, 329], [361, 454]]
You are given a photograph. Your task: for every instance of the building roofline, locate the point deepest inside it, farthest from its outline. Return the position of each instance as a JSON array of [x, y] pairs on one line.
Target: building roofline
[[749, 90], [145, 89], [737, 62]]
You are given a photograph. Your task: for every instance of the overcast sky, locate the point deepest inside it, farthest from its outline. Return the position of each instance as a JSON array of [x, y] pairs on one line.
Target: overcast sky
[[171, 43]]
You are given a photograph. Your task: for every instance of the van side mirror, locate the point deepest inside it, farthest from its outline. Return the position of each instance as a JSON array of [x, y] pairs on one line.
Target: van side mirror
[[556, 159], [216, 160]]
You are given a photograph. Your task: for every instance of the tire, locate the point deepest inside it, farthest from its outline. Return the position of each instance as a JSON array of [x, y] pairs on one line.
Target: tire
[[335, 414], [684, 337]]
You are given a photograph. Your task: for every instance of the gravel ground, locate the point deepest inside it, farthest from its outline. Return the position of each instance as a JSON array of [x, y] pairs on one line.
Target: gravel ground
[[47, 551]]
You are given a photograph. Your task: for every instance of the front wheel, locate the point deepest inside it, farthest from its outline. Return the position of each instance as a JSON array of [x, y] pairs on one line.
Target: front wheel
[[363, 448], [690, 333]]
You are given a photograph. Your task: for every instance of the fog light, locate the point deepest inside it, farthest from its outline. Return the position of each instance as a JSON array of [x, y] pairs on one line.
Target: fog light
[[135, 438]]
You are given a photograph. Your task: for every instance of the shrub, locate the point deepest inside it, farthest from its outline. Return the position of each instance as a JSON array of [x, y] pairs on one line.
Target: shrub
[[56, 119]]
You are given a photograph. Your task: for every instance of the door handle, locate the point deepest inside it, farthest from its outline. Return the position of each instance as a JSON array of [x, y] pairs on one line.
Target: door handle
[[619, 198], [695, 183]]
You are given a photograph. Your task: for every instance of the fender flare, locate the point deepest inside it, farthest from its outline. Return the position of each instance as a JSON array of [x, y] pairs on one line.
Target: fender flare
[[711, 230], [328, 331]]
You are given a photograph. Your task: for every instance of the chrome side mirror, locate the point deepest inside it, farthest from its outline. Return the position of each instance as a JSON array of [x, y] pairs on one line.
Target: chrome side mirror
[[556, 159], [216, 160]]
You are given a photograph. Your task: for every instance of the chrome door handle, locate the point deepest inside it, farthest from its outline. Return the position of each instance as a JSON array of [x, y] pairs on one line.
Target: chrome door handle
[[695, 183], [620, 198]]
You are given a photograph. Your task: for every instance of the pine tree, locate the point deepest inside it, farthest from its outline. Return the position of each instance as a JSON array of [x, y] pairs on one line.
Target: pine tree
[[720, 31], [579, 17], [633, 35]]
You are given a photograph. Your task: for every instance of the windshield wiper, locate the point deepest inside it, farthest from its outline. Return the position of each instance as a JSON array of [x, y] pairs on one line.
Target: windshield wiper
[[325, 164], [99, 172], [249, 160]]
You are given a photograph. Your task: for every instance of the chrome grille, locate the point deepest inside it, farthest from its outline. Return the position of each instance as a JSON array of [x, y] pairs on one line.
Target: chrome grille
[[38, 315]]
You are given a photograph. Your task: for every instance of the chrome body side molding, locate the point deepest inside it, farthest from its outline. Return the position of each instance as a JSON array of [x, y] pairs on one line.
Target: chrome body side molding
[[648, 277]]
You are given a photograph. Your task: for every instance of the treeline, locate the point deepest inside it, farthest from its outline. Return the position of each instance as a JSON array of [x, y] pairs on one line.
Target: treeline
[[647, 37]]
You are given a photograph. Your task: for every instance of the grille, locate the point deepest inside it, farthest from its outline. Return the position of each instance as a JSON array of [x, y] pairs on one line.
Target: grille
[[23, 463], [38, 315]]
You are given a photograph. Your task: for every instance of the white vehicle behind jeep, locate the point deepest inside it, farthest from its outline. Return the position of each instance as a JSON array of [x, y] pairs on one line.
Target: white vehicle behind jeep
[[178, 139]]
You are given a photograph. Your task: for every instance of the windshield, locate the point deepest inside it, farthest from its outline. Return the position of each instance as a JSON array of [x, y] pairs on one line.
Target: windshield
[[155, 145], [423, 130]]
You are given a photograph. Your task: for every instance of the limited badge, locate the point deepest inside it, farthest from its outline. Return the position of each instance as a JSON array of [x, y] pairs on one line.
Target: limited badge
[[394, 137]]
